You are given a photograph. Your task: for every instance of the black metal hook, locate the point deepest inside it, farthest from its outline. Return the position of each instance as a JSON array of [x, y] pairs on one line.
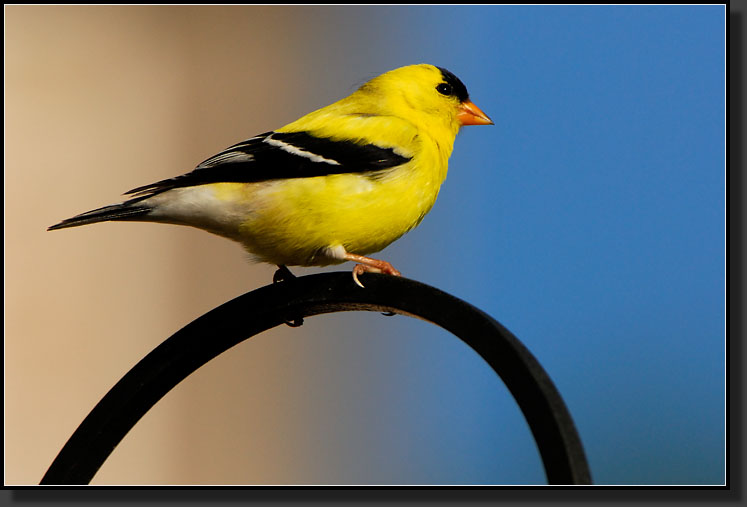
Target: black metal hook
[[281, 275], [187, 350]]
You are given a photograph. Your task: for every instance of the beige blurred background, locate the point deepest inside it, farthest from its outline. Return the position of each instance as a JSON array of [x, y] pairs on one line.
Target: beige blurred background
[[103, 99]]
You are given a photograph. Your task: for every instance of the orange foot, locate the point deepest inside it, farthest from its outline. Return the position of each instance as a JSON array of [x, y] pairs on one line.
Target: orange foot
[[369, 265]]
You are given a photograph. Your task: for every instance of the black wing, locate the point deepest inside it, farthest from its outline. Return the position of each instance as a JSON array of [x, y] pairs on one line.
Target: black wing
[[275, 155]]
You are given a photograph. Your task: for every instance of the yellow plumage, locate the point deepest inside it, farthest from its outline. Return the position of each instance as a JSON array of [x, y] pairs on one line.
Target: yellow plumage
[[337, 184]]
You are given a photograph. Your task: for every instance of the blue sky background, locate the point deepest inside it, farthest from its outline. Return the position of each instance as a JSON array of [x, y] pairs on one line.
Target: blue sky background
[[589, 221]]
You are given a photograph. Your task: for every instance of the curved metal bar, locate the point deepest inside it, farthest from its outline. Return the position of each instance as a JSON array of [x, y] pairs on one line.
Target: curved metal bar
[[293, 299]]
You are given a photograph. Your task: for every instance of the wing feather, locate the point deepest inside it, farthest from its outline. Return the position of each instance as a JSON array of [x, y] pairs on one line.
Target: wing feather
[[281, 155]]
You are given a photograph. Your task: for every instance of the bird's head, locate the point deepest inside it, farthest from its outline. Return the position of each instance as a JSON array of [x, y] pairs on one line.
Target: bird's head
[[430, 93]]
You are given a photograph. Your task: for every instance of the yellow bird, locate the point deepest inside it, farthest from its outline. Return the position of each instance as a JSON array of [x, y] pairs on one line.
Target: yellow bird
[[336, 185]]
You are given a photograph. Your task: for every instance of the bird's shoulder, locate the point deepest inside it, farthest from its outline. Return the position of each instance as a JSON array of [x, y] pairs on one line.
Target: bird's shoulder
[[360, 123]]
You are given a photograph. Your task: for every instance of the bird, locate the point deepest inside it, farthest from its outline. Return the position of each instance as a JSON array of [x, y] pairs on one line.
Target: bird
[[336, 185]]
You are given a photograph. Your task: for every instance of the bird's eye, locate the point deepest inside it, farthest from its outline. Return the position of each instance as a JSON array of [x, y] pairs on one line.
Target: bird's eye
[[445, 89]]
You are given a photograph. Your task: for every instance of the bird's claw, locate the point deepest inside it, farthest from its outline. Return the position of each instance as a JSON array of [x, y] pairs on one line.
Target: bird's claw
[[383, 267]]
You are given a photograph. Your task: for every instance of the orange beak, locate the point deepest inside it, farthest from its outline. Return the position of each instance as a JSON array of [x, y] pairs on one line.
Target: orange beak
[[470, 114]]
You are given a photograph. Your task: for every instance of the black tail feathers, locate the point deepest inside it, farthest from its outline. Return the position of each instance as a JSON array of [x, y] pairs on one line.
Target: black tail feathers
[[123, 211]]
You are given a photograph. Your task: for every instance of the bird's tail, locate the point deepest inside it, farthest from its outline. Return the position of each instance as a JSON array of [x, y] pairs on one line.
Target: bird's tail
[[122, 211]]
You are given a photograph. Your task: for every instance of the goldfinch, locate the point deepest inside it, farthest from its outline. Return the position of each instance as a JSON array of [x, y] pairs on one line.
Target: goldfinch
[[336, 185]]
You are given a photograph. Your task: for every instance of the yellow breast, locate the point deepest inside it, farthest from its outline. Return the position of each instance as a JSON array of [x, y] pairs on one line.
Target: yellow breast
[[292, 221]]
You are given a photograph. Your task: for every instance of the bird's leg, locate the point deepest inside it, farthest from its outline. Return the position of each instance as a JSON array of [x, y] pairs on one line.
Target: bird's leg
[[369, 265], [282, 274]]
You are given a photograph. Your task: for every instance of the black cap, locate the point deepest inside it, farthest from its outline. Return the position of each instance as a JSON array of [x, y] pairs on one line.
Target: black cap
[[460, 91]]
